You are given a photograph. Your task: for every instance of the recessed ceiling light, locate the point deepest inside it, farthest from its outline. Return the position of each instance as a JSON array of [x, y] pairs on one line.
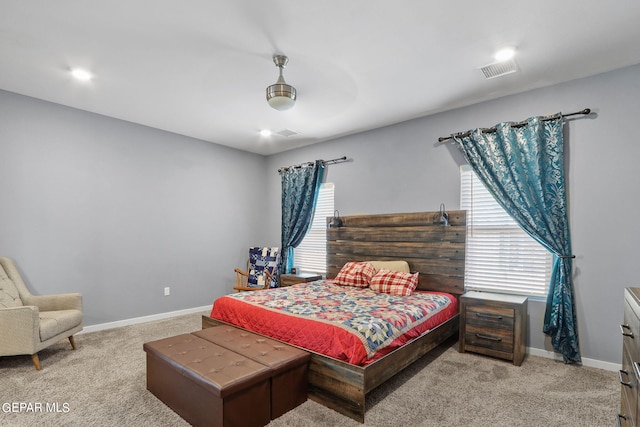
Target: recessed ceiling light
[[81, 74], [265, 132], [505, 54]]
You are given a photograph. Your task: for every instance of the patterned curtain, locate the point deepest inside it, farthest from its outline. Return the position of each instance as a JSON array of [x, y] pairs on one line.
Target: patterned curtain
[[300, 187], [522, 167]]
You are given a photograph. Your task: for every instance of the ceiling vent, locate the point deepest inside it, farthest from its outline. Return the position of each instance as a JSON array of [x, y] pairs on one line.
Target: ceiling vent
[[499, 69], [287, 132]]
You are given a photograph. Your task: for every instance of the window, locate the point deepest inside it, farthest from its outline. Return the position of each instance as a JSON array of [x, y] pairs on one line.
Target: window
[[311, 253], [500, 256]]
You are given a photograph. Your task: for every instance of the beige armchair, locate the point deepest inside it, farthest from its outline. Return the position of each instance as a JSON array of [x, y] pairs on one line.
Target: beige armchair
[[29, 323]]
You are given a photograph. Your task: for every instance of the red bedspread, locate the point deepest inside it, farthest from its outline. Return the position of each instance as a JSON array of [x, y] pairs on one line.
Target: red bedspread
[[354, 325]]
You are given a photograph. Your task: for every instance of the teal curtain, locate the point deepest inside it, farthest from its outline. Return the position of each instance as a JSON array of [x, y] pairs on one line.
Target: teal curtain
[[522, 166], [300, 186]]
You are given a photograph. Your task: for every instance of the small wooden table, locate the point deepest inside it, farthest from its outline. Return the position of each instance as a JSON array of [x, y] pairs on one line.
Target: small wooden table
[[494, 325], [292, 279]]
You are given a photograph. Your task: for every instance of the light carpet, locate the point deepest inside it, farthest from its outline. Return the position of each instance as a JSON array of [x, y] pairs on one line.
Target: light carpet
[[102, 383]]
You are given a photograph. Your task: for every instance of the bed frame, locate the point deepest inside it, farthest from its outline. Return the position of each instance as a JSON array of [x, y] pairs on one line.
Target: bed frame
[[436, 251]]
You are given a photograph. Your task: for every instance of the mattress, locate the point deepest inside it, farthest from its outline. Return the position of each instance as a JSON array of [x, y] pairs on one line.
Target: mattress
[[354, 325]]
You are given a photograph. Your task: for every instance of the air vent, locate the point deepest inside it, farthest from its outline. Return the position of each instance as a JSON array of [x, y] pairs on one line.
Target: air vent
[[499, 69], [287, 132]]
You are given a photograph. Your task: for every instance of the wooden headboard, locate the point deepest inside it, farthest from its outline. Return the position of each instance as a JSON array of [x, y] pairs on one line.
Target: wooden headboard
[[435, 251]]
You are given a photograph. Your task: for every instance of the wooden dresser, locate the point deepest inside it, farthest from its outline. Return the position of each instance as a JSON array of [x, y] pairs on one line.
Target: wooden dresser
[[494, 325], [630, 372]]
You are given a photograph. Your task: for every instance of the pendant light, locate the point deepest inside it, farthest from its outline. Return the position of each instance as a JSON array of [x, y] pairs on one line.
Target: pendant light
[[443, 217], [280, 95]]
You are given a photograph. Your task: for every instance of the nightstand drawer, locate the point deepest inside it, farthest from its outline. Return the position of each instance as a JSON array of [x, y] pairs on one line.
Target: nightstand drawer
[[630, 330], [494, 339], [629, 386], [491, 317]]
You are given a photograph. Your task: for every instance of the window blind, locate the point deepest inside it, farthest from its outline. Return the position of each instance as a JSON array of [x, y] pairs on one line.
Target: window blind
[[500, 256], [311, 254]]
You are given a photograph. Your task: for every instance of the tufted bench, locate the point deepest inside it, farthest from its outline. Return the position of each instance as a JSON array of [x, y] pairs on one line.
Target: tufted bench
[[207, 384], [288, 364]]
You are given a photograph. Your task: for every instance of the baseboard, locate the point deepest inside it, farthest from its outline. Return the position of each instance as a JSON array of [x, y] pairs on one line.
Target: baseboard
[[143, 319], [592, 363]]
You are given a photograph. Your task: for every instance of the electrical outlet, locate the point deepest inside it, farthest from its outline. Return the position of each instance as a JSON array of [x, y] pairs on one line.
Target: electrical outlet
[[167, 291]]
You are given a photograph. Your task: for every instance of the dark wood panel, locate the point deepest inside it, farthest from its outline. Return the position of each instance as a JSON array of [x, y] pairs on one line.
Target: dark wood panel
[[452, 285], [451, 267], [423, 233], [337, 385], [397, 250], [383, 369], [404, 219]]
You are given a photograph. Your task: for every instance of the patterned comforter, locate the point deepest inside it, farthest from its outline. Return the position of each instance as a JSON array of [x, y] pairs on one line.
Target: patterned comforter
[[355, 325]]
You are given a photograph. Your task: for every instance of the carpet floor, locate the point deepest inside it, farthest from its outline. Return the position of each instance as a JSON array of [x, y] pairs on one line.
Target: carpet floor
[[102, 383]]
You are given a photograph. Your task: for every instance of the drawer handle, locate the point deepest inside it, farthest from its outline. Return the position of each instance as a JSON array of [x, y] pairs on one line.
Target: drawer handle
[[621, 417], [489, 316], [487, 337], [626, 334], [627, 384]]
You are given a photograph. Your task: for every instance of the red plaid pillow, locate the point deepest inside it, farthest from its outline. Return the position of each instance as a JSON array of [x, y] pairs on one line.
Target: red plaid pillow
[[356, 274], [394, 282]]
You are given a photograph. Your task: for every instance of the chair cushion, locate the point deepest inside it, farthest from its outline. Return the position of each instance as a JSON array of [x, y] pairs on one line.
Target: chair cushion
[[259, 260], [9, 296], [53, 323]]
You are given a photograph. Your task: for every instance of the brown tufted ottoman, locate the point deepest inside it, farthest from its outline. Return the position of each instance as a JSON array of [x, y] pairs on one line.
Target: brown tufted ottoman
[[289, 365], [206, 384]]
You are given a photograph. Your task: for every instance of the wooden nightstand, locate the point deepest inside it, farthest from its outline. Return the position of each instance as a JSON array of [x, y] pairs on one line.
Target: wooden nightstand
[[494, 325], [292, 279]]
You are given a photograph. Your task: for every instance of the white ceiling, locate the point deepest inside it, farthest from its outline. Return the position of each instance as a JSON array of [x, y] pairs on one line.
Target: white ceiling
[[200, 67]]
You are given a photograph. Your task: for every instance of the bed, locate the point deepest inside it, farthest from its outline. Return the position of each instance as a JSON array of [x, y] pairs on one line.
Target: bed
[[434, 251]]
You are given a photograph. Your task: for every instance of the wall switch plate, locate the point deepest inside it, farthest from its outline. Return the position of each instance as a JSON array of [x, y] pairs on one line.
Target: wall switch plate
[[167, 291]]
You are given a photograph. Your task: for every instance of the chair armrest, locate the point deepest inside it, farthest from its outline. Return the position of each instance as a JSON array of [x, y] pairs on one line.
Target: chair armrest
[[20, 330], [242, 277], [56, 302]]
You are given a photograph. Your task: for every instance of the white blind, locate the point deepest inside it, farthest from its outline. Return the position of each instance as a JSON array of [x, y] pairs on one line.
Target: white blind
[[311, 254], [500, 256]]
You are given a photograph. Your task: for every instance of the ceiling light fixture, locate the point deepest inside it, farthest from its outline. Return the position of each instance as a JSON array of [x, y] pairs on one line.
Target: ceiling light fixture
[[505, 54], [265, 132], [82, 75], [281, 96]]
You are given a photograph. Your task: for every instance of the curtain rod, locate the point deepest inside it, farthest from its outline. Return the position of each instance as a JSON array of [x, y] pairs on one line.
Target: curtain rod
[[324, 162], [461, 134]]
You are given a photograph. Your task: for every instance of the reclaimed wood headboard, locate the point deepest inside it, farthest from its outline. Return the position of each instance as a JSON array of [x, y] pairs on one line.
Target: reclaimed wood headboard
[[435, 251]]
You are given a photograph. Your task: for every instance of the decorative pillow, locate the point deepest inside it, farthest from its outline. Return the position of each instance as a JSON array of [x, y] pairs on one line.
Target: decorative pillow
[[402, 266], [394, 282], [356, 274]]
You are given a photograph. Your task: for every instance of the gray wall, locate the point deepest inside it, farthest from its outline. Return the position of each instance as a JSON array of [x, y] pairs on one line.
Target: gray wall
[[401, 168], [118, 211]]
